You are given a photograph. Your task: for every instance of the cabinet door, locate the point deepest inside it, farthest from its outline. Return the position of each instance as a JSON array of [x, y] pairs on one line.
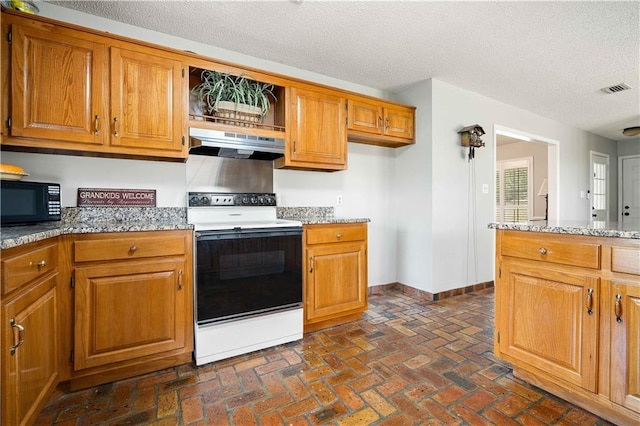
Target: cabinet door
[[365, 117], [128, 310], [56, 86], [146, 102], [30, 371], [548, 319], [336, 280], [318, 135], [625, 345], [398, 122]]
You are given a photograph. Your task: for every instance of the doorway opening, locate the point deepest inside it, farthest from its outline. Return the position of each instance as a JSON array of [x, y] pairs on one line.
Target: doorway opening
[[511, 145]]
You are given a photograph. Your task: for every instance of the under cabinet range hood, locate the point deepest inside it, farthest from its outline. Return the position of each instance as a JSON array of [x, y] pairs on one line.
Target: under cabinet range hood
[[234, 145]]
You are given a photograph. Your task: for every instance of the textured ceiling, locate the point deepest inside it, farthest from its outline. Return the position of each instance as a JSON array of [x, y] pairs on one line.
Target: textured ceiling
[[550, 58]]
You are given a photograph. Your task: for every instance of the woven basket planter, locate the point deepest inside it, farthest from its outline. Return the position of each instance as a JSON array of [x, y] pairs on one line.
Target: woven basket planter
[[237, 114]]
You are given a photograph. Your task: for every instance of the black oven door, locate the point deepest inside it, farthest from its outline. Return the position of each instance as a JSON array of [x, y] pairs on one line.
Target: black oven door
[[246, 272]]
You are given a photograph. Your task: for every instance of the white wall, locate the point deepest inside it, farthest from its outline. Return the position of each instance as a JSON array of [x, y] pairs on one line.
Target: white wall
[[168, 179], [367, 191], [460, 253], [628, 147], [413, 188], [538, 151]]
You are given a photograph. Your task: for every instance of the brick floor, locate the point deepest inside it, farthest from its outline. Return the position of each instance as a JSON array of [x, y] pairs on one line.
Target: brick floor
[[407, 362]]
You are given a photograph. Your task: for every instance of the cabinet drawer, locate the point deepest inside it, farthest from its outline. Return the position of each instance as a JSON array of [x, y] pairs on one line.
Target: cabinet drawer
[[23, 268], [565, 253], [133, 247], [625, 260], [336, 234]]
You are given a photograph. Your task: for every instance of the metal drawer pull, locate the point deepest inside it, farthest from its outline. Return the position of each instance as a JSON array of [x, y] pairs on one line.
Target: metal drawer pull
[[39, 265], [115, 127], [311, 265], [17, 335], [590, 301], [338, 235], [133, 248], [618, 308], [96, 125], [180, 279], [542, 251]]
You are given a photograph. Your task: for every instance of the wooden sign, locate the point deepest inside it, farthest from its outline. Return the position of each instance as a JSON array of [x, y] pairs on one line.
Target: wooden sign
[[101, 197]]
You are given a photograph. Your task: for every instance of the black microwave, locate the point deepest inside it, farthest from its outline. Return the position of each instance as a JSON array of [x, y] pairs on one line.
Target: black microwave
[[28, 202]]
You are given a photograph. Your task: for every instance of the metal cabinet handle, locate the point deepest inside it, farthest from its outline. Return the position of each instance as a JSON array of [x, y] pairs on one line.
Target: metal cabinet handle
[[618, 308], [386, 122], [115, 127], [590, 301], [379, 121], [311, 265], [180, 279], [17, 336], [133, 248], [96, 125], [542, 251], [39, 265]]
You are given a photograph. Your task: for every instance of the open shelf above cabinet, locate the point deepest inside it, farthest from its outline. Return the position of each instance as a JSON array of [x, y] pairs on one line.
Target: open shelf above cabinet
[[237, 119]]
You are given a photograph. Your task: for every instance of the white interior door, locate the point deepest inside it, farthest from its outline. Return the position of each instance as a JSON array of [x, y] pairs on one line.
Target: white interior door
[[599, 186], [630, 191]]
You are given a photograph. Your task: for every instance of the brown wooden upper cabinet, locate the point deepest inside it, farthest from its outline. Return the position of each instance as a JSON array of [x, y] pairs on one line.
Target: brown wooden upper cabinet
[[379, 123], [317, 138], [60, 97], [69, 89]]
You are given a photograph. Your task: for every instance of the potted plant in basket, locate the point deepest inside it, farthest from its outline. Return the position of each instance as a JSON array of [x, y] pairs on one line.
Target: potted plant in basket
[[235, 99]]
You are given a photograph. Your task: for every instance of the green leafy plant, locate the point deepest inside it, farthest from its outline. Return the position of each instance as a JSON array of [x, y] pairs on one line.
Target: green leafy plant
[[216, 87]]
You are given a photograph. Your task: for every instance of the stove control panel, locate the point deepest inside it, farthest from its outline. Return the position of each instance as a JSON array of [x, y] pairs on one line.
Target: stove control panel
[[215, 199]]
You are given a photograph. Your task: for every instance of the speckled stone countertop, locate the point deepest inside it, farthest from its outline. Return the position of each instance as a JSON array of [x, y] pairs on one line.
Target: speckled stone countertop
[[315, 215], [593, 228], [86, 220]]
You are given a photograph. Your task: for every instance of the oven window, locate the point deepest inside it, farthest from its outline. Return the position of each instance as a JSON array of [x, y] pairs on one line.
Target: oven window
[[246, 276]]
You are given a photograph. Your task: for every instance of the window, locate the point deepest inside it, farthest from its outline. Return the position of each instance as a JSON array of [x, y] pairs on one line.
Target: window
[[513, 190]]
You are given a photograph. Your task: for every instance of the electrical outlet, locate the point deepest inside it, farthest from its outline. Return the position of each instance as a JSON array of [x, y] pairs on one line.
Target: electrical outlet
[[339, 200]]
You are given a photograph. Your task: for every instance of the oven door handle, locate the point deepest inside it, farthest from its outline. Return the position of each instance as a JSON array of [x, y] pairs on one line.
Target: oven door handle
[[230, 234]]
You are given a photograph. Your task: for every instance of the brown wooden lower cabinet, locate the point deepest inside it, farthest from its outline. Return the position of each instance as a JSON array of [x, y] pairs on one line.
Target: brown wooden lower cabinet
[[132, 303], [30, 330], [335, 289], [81, 310], [625, 344], [572, 328]]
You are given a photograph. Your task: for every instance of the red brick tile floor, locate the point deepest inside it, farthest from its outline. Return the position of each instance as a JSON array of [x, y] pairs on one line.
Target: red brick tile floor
[[406, 362]]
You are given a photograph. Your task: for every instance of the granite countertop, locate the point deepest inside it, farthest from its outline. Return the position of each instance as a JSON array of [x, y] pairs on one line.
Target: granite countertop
[[88, 220], [315, 215], [593, 228]]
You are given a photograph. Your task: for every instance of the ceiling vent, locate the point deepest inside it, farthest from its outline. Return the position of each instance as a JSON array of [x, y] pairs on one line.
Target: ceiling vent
[[616, 88]]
